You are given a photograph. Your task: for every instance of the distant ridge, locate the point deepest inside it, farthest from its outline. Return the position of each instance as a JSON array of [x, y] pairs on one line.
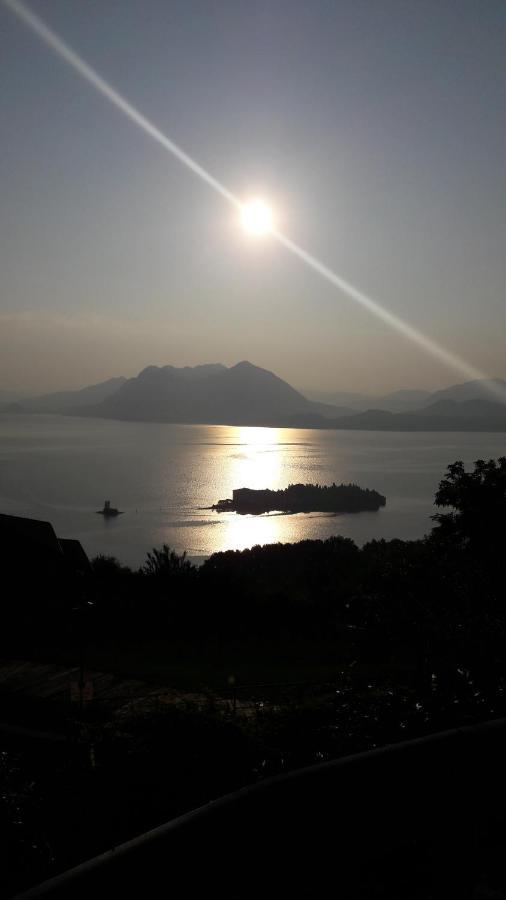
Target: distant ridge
[[396, 401], [486, 389], [444, 415], [245, 394], [64, 401], [412, 400]]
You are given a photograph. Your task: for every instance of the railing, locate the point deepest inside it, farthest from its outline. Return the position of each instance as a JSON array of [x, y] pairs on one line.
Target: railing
[[417, 819]]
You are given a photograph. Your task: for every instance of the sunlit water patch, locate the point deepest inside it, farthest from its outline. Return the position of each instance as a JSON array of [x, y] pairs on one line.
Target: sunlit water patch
[[165, 478]]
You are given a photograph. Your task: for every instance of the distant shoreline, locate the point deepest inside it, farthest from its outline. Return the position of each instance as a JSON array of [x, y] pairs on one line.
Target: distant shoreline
[[245, 395], [394, 427]]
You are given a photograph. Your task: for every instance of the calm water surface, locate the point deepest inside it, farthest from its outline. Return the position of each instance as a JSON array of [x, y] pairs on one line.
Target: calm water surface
[[61, 469]]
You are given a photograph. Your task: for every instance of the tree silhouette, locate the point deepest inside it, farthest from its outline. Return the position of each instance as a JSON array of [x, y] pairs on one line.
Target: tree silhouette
[[165, 563], [108, 567], [477, 520]]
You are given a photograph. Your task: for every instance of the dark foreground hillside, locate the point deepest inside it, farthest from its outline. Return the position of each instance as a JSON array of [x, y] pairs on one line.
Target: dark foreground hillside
[[131, 697]]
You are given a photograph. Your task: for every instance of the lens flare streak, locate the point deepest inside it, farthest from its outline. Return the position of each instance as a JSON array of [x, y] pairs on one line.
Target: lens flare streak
[[395, 322], [55, 43], [73, 59]]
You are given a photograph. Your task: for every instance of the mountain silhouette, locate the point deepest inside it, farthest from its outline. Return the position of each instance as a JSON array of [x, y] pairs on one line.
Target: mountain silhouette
[[408, 401], [396, 401], [212, 394], [484, 389], [246, 394], [444, 415], [64, 401]]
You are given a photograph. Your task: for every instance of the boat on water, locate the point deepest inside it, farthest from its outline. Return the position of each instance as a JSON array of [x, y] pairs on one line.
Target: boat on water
[[109, 511]]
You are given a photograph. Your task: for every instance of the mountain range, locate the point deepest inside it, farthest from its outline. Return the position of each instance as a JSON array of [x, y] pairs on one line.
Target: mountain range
[[62, 401], [410, 400], [246, 394]]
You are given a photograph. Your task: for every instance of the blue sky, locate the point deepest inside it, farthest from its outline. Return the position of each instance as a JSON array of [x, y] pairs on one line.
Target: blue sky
[[375, 127]]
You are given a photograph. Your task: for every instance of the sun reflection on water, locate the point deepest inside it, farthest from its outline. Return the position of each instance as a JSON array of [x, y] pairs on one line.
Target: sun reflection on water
[[216, 460], [257, 462]]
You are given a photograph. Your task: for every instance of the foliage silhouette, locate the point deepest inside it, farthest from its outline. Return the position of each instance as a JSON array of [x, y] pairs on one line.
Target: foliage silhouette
[[165, 563], [478, 500], [410, 636]]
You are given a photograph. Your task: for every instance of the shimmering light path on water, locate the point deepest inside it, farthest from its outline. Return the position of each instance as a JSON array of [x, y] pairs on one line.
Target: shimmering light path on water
[[62, 469]]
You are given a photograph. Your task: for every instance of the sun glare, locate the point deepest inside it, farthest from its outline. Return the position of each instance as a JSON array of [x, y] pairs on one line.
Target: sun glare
[[256, 217]]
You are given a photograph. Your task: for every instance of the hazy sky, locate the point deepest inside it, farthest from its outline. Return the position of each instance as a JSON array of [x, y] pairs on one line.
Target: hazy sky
[[376, 128]]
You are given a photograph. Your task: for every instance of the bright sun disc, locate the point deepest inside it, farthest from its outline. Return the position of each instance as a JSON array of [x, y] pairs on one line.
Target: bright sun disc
[[256, 217]]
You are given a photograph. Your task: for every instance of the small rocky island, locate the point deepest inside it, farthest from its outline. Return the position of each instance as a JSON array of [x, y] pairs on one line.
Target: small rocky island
[[109, 512], [303, 498]]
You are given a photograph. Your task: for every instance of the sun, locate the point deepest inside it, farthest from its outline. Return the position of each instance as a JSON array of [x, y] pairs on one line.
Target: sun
[[256, 217]]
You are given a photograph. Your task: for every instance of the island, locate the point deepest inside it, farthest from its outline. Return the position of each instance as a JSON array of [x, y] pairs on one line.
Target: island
[[303, 498], [109, 512]]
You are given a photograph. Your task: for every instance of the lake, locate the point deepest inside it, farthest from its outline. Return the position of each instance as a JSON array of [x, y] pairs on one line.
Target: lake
[[61, 469]]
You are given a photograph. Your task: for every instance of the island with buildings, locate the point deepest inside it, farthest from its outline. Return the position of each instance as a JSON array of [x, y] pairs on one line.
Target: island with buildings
[[109, 512], [342, 498]]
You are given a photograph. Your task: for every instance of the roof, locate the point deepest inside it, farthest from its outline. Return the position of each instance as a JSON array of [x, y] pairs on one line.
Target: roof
[[29, 531], [35, 538], [74, 555]]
